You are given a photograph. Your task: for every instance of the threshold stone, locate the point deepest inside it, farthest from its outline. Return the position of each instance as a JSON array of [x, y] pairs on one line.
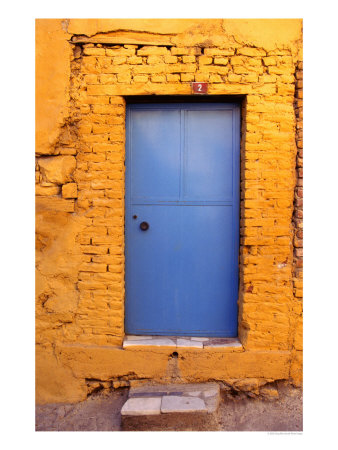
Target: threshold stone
[[175, 404], [176, 407]]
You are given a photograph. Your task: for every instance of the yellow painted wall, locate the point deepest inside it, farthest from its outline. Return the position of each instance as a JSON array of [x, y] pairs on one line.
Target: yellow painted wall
[[84, 68]]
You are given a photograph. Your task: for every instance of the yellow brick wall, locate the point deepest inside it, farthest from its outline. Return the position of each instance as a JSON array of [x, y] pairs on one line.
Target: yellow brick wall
[[80, 203]]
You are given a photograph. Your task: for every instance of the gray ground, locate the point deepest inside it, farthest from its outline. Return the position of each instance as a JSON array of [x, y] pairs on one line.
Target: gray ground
[[237, 412], [240, 413]]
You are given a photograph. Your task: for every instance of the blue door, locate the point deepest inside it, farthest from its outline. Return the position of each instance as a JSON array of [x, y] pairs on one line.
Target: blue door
[[182, 219]]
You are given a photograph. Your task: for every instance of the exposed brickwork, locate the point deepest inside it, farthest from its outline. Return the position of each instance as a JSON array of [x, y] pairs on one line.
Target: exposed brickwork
[[85, 177], [298, 229]]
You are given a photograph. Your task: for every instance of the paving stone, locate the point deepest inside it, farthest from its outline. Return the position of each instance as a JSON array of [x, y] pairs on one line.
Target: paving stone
[[195, 393], [142, 406], [188, 343], [149, 342], [223, 342], [137, 338], [176, 404], [211, 392], [212, 403]]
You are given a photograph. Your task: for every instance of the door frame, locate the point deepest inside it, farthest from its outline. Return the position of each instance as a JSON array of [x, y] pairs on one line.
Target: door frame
[[153, 104]]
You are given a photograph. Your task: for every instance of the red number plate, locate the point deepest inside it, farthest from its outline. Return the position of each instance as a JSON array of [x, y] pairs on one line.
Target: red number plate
[[199, 88]]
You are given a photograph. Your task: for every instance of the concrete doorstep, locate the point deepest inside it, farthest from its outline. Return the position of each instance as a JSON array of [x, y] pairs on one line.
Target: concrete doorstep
[[177, 407]]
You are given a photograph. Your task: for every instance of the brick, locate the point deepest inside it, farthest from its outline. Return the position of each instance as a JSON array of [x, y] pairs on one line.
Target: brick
[[120, 51], [266, 89], [54, 204], [234, 78], [205, 60], [134, 60], [298, 243], [107, 259], [152, 50], [108, 109], [91, 79], [287, 78], [286, 89], [179, 51], [221, 61], [95, 250], [299, 262], [102, 147], [176, 77], [270, 61], [250, 78], [119, 60], [124, 77], [114, 267], [215, 78], [187, 77], [240, 70], [201, 77], [85, 128], [155, 59], [123, 68], [141, 78], [68, 151], [100, 128], [219, 52], [267, 78], [254, 63], [94, 51], [57, 169], [100, 90], [299, 292], [89, 285], [153, 69], [238, 60], [172, 68], [93, 267], [69, 190], [280, 70], [299, 192], [188, 59], [108, 79], [250, 51], [158, 79], [169, 59], [220, 70], [299, 252], [47, 190]]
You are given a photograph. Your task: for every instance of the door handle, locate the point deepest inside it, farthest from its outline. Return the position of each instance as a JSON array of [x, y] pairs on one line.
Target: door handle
[[144, 226]]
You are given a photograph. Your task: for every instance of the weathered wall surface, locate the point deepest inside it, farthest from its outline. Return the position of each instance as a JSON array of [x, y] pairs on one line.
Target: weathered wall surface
[[85, 68]]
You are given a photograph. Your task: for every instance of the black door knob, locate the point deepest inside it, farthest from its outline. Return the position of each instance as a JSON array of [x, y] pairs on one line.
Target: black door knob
[[144, 226]]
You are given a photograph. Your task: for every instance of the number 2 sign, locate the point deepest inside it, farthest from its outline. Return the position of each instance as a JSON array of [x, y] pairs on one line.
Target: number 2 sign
[[199, 88]]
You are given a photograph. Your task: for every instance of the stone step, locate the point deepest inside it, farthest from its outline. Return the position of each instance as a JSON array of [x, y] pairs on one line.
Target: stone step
[[176, 407]]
